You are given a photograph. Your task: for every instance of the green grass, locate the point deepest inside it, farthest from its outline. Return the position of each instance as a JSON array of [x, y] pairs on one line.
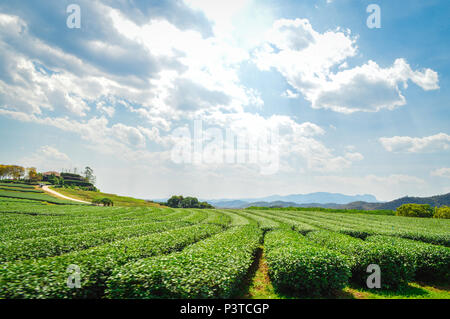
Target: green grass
[[412, 291], [89, 196], [259, 284]]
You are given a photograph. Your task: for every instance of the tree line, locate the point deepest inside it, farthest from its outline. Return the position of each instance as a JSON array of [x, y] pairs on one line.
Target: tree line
[[30, 174], [186, 202], [17, 172]]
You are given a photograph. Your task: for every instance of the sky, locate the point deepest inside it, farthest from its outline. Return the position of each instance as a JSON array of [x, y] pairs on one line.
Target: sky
[[230, 99]]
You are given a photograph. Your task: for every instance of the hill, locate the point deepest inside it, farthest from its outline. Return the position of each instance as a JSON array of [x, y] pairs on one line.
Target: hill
[[437, 200], [118, 200]]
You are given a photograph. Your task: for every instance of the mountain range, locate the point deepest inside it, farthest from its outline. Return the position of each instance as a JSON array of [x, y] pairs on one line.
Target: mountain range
[[438, 200], [319, 198], [325, 200], [298, 199]]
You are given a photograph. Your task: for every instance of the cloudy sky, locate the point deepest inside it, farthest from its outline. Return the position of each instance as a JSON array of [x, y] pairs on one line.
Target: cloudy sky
[[356, 110]]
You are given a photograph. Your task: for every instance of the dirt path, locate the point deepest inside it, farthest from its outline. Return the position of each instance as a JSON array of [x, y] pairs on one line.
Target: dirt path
[[261, 285], [51, 191]]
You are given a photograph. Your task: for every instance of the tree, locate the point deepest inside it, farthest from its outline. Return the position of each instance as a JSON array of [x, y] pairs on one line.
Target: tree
[[3, 171], [189, 202], [205, 205], [442, 212], [17, 171], [415, 210], [89, 175], [11, 171], [33, 174], [175, 201]]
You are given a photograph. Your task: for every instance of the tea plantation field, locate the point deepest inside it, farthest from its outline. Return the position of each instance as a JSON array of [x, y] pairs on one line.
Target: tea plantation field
[[79, 251]]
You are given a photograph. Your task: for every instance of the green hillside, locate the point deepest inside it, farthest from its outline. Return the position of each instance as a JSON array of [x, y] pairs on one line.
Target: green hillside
[[89, 196]]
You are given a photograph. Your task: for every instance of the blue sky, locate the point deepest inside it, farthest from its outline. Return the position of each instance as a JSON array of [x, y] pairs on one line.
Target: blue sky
[[345, 108]]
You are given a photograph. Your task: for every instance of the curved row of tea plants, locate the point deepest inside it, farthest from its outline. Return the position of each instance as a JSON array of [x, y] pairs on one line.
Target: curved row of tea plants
[[237, 219], [297, 265], [213, 268], [48, 277], [432, 262], [57, 245], [216, 217], [21, 228], [431, 231], [397, 268], [263, 222], [286, 221]]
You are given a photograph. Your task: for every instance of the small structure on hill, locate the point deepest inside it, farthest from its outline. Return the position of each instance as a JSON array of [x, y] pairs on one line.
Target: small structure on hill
[[51, 173]]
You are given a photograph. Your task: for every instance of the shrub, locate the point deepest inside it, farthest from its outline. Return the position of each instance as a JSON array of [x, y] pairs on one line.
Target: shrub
[[415, 210], [396, 269], [296, 265], [431, 261], [188, 202], [442, 212], [103, 201]]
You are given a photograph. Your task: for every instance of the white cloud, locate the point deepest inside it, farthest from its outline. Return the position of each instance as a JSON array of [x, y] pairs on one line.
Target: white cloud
[[128, 135], [441, 172], [306, 57], [407, 144], [108, 110], [52, 153], [124, 141], [354, 156], [47, 158], [204, 67], [299, 145], [208, 72], [289, 94]]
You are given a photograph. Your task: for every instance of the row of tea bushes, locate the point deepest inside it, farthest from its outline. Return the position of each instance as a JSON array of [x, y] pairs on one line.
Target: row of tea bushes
[[213, 268], [48, 277], [397, 269], [297, 265]]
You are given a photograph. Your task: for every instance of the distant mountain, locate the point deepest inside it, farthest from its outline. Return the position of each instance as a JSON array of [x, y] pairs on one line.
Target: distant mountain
[[272, 204], [438, 200], [227, 203], [326, 200], [319, 198]]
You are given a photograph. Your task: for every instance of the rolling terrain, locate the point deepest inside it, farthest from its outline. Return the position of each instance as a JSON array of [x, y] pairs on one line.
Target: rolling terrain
[[156, 252]]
